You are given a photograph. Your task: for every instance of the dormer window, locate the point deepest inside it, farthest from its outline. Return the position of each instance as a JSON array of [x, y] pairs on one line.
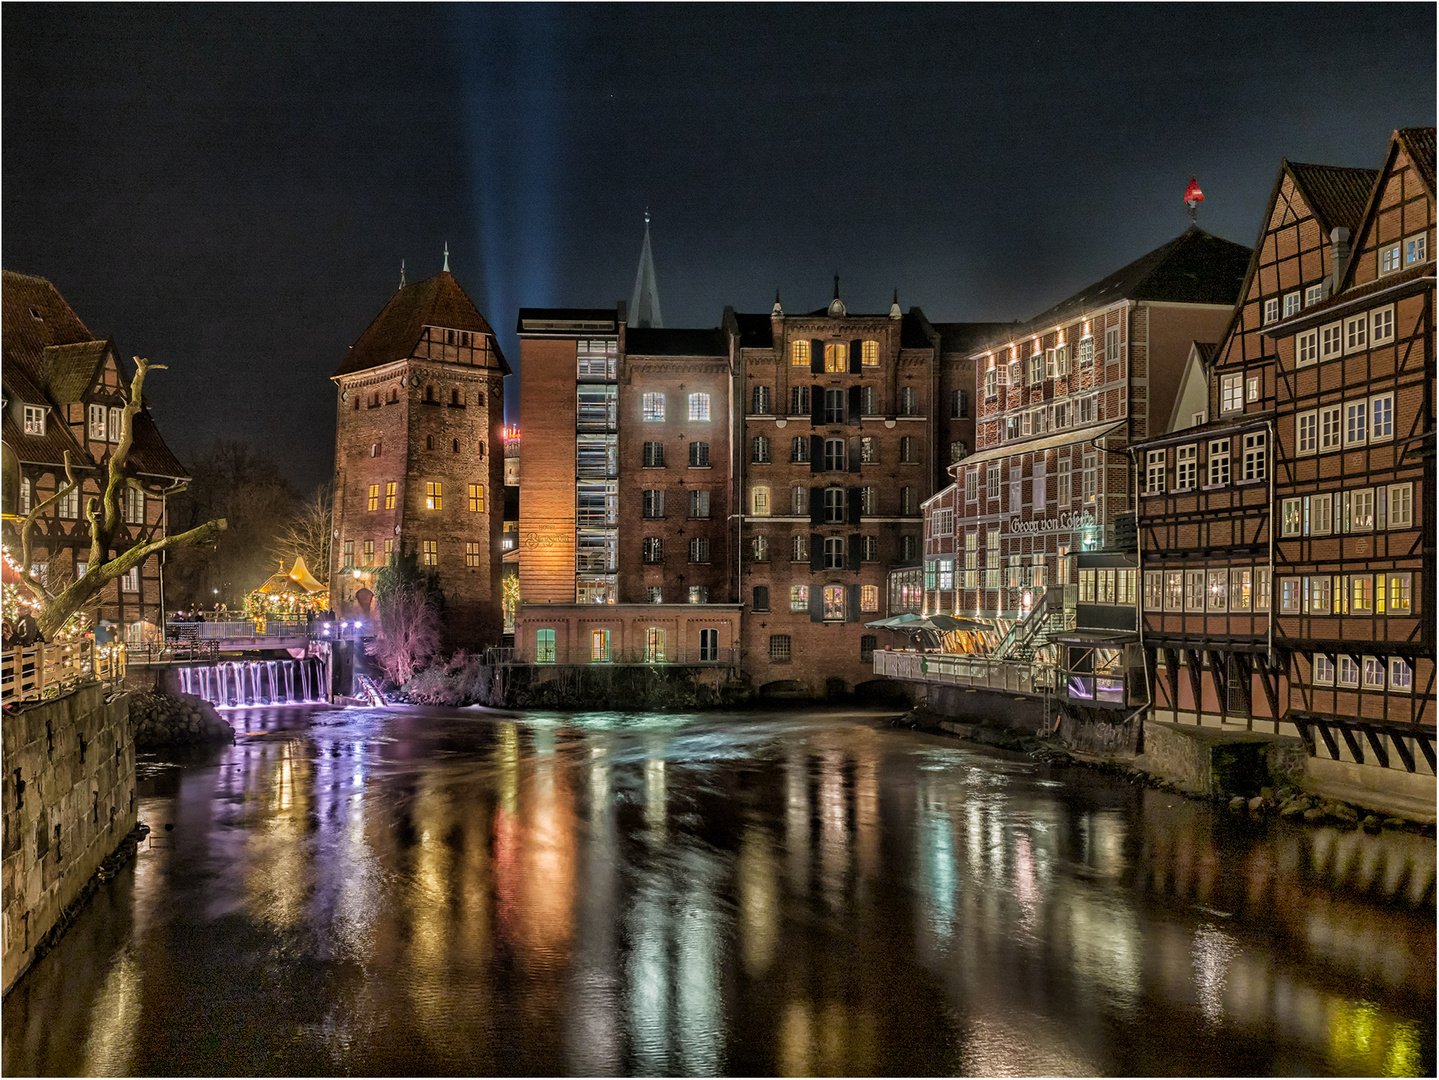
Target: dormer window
[[97, 422], [36, 315], [34, 420]]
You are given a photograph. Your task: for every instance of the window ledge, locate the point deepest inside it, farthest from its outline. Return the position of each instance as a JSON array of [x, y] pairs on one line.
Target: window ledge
[[699, 468]]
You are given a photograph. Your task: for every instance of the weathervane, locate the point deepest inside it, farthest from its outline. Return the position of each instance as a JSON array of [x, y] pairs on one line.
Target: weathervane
[[1192, 198]]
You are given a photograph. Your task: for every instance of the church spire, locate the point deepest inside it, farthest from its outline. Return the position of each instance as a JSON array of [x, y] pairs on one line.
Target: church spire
[[645, 304], [446, 268]]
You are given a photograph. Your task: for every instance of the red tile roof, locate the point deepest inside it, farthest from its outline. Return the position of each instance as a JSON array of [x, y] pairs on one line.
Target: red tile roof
[[396, 331]]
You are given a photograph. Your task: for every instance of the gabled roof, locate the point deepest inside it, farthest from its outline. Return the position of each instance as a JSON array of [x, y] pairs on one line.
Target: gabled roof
[[1195, 267], [35, 316], [396, 331], [1336, 195], [47, 449], [655, 341], [1419, 144], [70, 370]]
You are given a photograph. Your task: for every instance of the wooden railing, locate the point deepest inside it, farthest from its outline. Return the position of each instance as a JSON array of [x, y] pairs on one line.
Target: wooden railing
[[40, 671]]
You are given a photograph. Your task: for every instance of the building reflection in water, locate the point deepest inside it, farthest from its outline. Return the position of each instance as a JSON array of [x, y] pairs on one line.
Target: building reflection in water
[[605, 894]]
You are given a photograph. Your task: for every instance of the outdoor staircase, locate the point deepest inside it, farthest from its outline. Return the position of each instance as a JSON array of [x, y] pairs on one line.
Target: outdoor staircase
[[1030, 634]]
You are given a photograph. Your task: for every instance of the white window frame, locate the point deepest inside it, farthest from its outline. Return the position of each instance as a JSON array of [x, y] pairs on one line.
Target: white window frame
[[1271, 310], [1186, 466], [1331, 428], [1346, 671], [1306, 433], [1321, 670], [1401, 675], [1217, 464], [699, 410], [1231, 393], [1256, 453], [1291, 303], [1356, 434], [1321, 515], [1416, 249], [1331, 341], [759, 497], [1251, 388], [1381, 325], [1399, 504], [1156, 464], [1291, 520], [1372, 673], [1356, 333], [1313, 294], [98, 414], [1306, 348], [34, 416], [1391, 259], [1381, 407], [652, 407]]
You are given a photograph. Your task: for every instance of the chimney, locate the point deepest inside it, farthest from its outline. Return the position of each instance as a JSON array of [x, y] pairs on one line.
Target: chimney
[[1339, 256]]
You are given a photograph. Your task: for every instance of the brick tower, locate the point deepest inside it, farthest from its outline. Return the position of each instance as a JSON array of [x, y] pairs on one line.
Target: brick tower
[[419, 455]]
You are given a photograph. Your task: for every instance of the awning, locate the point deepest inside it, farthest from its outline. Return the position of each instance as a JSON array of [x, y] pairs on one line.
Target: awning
[[1100, 638], [1049, 442], [895, 622], [946, 623]]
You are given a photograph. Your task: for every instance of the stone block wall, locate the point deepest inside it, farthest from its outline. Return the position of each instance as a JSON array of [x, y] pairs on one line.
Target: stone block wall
[[69, 800]]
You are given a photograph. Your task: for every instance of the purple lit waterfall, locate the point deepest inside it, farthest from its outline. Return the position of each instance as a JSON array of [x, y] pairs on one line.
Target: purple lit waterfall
[[257, 682]]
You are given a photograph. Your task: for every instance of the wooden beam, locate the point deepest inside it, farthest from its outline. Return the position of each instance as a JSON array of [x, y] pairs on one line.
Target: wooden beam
[[1219, 678], [1171, 673], [1426, 747], [1378, 745], [1353, 743], [1405, 754], [1243, 662], [1151, 669], [1196, 680], [1271, 691], [1328, 737], [1306, 733]]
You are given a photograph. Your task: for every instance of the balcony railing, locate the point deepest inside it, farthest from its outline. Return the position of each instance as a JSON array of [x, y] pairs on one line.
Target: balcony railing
[[40, 671], [962, 669], [581, 657]]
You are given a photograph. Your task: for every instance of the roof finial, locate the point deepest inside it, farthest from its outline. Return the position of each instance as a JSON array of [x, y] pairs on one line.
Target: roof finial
[[894, 312], [1192, 198], [647, 215], [402, 273], [778, 312], [446, 267], [836, 285]]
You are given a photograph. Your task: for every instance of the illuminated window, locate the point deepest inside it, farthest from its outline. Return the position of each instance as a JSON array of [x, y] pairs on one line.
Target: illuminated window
[[799, 354], [369, 553], [390, 495], [349, 553], [868, 450], [699, 407], [759, 500], [97, 422], [836, 357], [477, 498], [472, 553], [1397, 594], [373, 501], [389, 550], [434, 497], [1231, 393], [833, 602], [432, 552], [544, 646], [69, 505], [799, 597], [699, 594], [599, 646], [1241, 589], [654, 645], [869, 354], [799, 548], [130, 580], [34, 420], [1323, 670], [654, 406]]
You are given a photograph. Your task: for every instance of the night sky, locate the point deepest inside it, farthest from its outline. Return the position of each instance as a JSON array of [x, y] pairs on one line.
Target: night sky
[[230, 190]]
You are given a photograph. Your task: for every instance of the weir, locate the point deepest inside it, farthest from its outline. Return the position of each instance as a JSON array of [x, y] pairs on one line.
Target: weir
[[257, 682]]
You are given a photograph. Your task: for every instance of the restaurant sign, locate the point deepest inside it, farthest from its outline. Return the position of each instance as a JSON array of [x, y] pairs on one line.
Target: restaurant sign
[[1065, 522]]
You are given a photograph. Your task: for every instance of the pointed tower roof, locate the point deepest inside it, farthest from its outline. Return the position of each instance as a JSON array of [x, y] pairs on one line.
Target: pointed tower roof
[[645, 304], [396, 331]]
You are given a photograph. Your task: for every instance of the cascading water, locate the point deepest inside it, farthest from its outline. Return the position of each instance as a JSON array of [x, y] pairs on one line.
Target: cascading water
[[256, 682]]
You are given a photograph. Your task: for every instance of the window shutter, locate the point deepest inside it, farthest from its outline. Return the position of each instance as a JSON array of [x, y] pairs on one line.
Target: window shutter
[[816, 506], [851, 603], [816, 357], [856, 404], [816, 405], [816, 453], [854, 454], [856, 356], [816, 603], [854, 552], [853, 504], [816, 553]]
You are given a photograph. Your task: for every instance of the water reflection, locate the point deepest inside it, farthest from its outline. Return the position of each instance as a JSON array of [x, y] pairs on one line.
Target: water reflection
[[429, 891]]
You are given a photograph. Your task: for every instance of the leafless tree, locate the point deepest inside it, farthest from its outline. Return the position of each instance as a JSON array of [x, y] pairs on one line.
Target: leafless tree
[[106, 525], [409, 634], [307, 534]]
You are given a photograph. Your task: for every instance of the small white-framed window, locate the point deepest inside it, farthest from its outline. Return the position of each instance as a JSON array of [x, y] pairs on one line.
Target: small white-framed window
[[971, 485], [653, 406], [1291, 304], [1381, 325], [1361, 594], [1186, 470], [1416, 249], [97, 422], [1173, 590], [1231, 393], [1217, 590], [1394, 595], [1194, 590], [1372, 673], [1251, 388], [1306, 348], [1331, 427], [1155, 462], [1323, 670], [1321, 515], [991, 482], [130, 580], [1313, 294], [1400, 505], [1381, 417], [1063, 481], [1359, 510], [1111, 345], [1356, 423], [1331, 341], [1153, 590], [1241, 588], [117, 423], [1291, 522], [1036, 368], [1255, 455], [1271, 310], [699, 407], [34, 420], [1218, 462], [1306, 432], [1389, 259], [1201, 417], [1291, 596], [1401, 675], [1356, 333], [1348, 671]]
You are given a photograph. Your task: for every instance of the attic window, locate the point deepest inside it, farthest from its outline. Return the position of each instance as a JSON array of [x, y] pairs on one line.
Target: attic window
[[36, 315]]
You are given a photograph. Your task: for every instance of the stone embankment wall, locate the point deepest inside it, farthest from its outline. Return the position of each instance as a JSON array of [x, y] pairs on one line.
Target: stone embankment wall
[[69, 801], [176, 719]]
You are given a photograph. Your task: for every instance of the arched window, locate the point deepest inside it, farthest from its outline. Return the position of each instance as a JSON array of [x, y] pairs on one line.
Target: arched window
[[833, 455], [457, 446], [480, 449], [394, 394], [759, 500], [429, 442], [454, 396]]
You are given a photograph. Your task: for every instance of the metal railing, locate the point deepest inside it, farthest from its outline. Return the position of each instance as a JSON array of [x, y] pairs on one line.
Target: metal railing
[[580, 656], [964, 669], [32, 672]]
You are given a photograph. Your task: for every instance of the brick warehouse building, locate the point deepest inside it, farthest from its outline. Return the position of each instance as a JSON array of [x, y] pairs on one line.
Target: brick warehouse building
[[419, 455], [64, 391], [1059, 398], [734, 495]]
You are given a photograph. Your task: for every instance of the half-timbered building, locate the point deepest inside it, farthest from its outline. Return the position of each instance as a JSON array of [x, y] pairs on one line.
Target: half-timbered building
[[1205, 485], [1354, 491], [64, 392]]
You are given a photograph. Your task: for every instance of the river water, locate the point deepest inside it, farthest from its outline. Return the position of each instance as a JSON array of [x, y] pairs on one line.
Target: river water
[[432, 891]]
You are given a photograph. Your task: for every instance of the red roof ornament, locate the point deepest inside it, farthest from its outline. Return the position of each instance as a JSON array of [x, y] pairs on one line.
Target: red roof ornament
[[1192, 194]]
